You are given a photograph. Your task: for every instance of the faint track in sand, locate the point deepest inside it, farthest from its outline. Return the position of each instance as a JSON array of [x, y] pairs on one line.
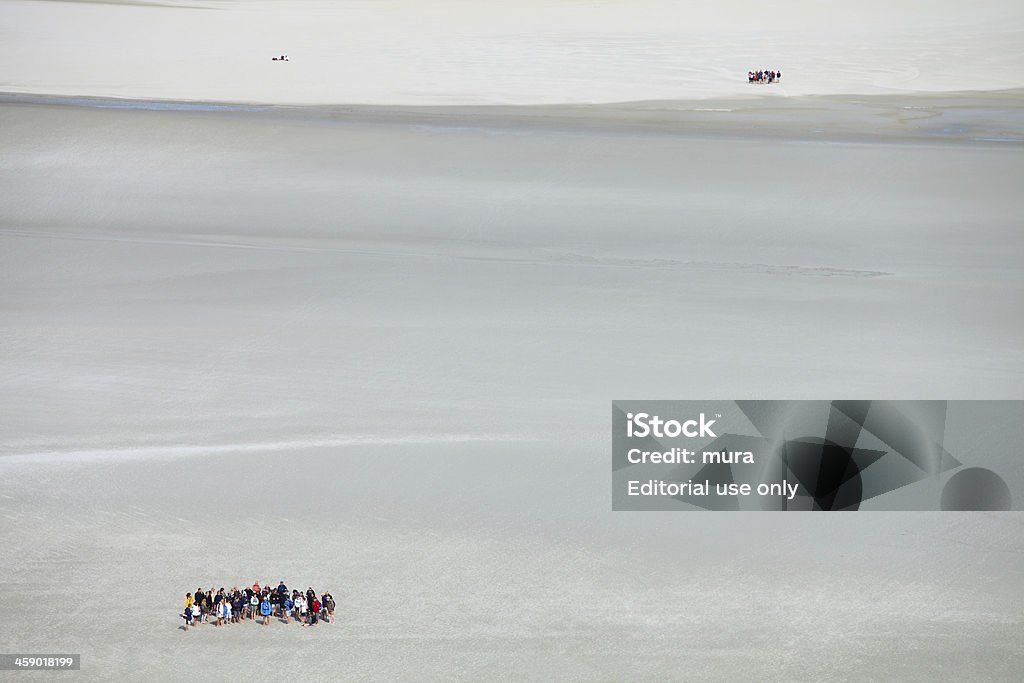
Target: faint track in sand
[[506, 255], [30, 453]]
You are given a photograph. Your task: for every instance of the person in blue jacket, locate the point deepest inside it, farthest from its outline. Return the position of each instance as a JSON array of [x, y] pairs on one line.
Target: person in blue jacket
[[265, 611], [286, 608]]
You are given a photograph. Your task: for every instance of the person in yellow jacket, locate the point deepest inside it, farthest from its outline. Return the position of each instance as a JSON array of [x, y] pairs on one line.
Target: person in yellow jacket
[[189, 600]]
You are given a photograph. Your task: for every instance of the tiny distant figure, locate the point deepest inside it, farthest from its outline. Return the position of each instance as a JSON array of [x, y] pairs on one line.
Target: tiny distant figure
[[187, 616], [328, 607], [275, 602], [287, 608], [265, 611], [219, 603], [314, 611], [282, 58]]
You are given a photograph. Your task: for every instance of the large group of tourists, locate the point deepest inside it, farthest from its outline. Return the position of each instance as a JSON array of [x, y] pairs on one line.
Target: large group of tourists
[[257, 604], [763, 76]]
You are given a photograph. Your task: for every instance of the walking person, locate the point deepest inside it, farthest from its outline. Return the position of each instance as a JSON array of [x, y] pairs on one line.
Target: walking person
[[314, 611], [197, 603], [287, 606], [265, 610], [328, 607], [187, 616], [275, 602]]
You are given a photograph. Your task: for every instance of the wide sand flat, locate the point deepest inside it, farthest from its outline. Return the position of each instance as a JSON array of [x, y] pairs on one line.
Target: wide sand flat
[[373, 350]]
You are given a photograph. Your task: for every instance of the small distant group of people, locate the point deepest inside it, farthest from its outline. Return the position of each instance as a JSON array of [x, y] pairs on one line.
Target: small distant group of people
[[257, 604], [282, 58], [763, 76]]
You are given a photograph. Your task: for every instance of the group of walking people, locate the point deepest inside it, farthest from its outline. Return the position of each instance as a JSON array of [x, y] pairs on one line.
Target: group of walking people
[[257, 604], [763, 76]]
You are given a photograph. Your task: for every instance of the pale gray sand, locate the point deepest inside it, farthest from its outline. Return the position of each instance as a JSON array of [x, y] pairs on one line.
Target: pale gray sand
[[495, 563], [379, 357], [446, 52]]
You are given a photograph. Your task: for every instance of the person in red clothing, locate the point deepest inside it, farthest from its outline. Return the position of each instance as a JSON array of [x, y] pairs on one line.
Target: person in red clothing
[[314, 611]]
